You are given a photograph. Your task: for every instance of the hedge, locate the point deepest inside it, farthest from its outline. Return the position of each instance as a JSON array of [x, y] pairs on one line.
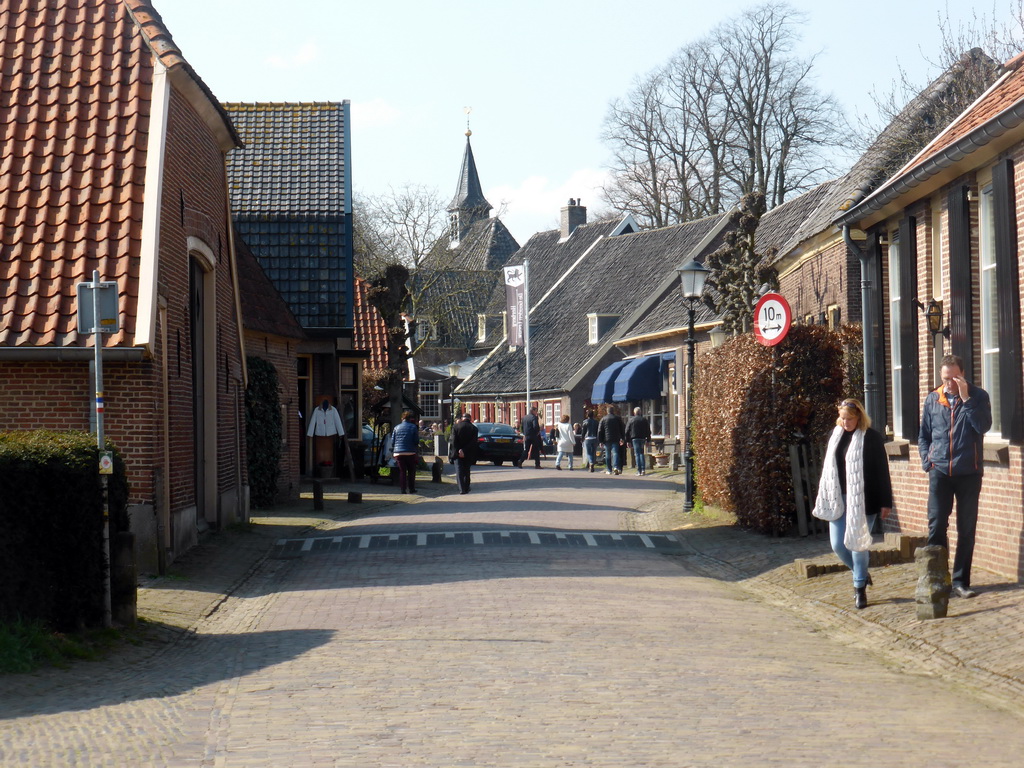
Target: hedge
[[751, 403], [51, 527], [262, 431]]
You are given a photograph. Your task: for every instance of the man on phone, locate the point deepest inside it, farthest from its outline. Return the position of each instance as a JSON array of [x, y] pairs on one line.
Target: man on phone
[[955, 418]]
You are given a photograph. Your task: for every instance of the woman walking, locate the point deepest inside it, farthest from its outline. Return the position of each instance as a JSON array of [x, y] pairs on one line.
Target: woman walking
[[406, 449], [855, 487], [565, 441]]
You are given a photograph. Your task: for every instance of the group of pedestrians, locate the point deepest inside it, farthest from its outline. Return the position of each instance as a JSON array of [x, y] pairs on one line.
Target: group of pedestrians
[[856, 488], [611, 432]]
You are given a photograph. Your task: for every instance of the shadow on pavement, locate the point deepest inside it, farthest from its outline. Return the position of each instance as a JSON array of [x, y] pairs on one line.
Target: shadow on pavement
[[210, 659]]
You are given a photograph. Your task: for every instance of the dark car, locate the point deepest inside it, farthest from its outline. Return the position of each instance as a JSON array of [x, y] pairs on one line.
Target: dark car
[[498, 443]]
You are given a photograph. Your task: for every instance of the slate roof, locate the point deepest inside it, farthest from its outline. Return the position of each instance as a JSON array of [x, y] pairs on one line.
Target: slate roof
[[487, 245], [263, 309], [370, 331], [614, 278], [75, 89], [469, 194], [549, 259], [289, 199]]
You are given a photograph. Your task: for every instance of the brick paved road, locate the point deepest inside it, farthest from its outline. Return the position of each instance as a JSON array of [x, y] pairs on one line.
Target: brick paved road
[[531, 656]]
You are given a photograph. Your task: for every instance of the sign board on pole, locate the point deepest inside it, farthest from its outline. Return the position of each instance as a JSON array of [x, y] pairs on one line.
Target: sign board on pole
[[109, 317], [772, 319]]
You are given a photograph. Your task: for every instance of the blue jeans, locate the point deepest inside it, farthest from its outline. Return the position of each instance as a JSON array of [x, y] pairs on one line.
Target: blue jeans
[[558, 458], [638, 454], [590, 450], [611, 456], [942, 490], [855, 561]]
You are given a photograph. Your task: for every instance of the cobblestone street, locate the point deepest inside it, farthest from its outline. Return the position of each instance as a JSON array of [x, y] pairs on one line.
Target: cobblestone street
[[500, 653]]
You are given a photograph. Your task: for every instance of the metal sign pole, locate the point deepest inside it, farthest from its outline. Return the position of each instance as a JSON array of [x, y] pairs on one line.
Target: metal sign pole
[[526, 328], [98, 344]]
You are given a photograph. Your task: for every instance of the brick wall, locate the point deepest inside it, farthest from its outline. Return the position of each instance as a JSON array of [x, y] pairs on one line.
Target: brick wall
[[194, 204], [831, 276]]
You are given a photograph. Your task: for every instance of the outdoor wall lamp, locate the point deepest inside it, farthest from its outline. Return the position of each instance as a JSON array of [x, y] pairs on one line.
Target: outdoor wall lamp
[[934, 315]]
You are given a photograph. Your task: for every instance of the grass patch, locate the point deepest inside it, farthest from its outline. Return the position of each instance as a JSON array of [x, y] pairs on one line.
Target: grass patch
[[28, 645]]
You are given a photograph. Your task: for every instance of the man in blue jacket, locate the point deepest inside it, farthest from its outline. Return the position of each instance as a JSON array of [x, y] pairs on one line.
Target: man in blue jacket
[[955, 418]]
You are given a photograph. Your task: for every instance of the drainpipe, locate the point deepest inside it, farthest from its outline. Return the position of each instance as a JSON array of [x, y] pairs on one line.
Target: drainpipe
[[872, 400]]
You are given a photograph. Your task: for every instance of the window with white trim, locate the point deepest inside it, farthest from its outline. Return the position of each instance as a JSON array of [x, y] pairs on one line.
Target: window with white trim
[[894, 335], [989, 306], [430, 399], [592, 332], [481, 328]]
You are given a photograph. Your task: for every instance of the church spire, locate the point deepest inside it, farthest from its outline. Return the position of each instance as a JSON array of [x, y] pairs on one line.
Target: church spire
[[469, 194], [469, 204]]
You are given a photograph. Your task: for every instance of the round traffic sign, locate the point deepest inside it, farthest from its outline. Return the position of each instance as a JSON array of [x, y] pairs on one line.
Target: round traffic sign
[[772, 318]]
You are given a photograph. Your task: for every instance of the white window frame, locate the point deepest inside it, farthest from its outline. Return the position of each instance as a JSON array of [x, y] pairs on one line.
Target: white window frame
[[989, 305], [592, 334], [895, 346], [430, 399], [481, 328]]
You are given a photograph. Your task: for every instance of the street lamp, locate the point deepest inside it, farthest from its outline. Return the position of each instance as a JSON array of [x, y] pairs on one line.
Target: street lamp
[[453, 375], [691, 278]]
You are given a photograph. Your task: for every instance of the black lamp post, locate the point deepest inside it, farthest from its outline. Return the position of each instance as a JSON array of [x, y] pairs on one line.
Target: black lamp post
[[453, 377], [691, 277]]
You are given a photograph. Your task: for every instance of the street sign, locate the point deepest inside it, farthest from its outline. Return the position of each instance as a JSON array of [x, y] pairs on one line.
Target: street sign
[[772, 318], [107, 463], [109, 317]]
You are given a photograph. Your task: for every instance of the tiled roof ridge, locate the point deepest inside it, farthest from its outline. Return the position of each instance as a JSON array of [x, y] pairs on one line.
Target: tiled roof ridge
[[159, 39], [257, 106]]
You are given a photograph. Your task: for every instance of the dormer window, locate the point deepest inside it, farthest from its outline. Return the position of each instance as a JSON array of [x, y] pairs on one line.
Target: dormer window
[[598, 325]]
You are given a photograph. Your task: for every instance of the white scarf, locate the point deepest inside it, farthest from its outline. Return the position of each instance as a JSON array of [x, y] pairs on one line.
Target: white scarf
[[829, 505]]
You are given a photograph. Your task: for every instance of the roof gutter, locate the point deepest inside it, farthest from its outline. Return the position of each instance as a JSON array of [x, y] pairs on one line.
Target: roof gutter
[[981, 136], [70, 354]]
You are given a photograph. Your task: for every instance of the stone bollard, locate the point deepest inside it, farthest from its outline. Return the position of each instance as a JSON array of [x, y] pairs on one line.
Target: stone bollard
[[933, 582], [318, 495], [436, 470]]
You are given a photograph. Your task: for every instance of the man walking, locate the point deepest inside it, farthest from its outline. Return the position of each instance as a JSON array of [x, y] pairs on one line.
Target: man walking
[[532, 441], [638, 432], [951, 442], [588, 429], [463, 449], [610, 432]]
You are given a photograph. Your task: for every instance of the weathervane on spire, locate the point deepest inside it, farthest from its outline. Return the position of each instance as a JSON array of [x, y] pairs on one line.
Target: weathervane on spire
[[467, 110]]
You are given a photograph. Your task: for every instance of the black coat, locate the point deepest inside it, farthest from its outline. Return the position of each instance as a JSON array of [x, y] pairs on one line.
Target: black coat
[[610, 430], [464, 438]]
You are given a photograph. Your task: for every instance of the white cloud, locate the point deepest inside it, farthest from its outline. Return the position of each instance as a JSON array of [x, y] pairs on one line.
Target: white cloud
[[534, 204], [374, 114], [305, 54]]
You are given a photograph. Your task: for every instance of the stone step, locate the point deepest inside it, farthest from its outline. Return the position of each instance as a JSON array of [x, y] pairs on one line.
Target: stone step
[[895, 548]]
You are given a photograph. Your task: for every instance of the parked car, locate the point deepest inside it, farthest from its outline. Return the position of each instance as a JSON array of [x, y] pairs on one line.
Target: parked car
[[498, 443]]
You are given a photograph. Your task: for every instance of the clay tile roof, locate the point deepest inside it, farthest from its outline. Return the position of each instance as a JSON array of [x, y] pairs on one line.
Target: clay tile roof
[[370, 329], [75, 79]]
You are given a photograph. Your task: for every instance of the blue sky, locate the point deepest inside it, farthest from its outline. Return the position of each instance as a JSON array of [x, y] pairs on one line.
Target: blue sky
[[538, 74]]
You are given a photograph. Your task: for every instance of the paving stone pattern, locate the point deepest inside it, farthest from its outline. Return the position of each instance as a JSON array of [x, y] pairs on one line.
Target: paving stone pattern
[[506, 655]]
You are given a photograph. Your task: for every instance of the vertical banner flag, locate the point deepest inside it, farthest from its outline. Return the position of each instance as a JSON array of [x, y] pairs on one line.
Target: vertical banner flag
[[515, 304]]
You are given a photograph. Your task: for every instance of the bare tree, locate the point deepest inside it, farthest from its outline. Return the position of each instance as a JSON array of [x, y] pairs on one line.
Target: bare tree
[[968, 60], [734, 112], [409, 227]]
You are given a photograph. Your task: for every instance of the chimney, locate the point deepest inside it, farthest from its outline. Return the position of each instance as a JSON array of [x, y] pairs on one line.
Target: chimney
[[573, 215]]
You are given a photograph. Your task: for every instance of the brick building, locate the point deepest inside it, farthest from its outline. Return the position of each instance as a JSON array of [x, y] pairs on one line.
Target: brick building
[[945, 230], [113, 159]]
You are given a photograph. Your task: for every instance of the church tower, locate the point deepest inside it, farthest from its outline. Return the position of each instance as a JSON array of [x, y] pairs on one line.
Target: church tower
[[469, 204]]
